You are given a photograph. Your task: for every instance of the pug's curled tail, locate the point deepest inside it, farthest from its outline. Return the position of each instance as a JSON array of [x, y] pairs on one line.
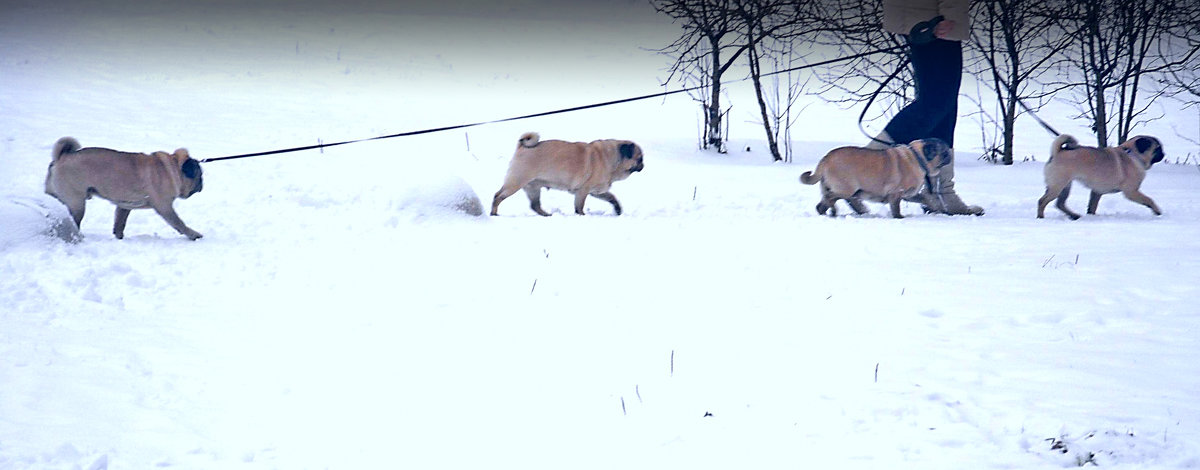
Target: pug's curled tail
[[809, 178], [529, 140], [1063, 142], [64, 145]]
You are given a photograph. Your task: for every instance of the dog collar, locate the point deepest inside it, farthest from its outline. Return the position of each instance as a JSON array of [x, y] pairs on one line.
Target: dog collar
[[921, 163]]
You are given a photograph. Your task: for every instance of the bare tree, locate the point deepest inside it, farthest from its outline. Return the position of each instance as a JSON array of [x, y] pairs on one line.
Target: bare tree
[[710, 44], [716, 34], [786, 88], [1120, 44], [1019, 41], [1183, 83], [764, 22], [853, 30]]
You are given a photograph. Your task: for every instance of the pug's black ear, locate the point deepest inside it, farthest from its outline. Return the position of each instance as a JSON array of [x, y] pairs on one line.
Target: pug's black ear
[[191, 168], [934, 148], [627, 150], [1143, 144]]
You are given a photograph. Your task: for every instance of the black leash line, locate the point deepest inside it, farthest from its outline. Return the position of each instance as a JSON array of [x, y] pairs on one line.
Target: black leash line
[[447, 128], [923, 33], [863, 115], [541, 114], [996, 75]]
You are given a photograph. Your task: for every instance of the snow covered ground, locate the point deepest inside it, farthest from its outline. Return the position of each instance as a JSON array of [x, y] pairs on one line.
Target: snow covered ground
[[332, 317]]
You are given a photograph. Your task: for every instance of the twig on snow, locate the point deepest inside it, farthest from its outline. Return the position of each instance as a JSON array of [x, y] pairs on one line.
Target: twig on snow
[[672, 363]]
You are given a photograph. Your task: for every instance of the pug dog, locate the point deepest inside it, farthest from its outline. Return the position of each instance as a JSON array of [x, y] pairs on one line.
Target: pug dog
[[579, 168], [129, 180], [1103, 170], [887, 175]]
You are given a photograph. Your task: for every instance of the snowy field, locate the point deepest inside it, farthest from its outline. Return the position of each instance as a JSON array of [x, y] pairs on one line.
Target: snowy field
[[333, 316]]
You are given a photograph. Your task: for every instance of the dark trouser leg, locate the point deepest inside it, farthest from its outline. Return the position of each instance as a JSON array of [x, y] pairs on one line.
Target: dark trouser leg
[[937, 73]]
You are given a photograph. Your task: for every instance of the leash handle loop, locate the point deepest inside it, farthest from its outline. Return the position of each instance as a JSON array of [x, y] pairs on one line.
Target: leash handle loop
[[922, 33]]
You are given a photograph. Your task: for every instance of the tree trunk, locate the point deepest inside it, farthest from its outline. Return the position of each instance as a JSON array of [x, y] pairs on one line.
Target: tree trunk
[[1010, 123], [1101, 121], [714, 105], [1014, 83], [756, 77]]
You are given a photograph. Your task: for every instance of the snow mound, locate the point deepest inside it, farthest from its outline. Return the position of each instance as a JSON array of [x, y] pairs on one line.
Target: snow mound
[[438, 194], [25, 218]]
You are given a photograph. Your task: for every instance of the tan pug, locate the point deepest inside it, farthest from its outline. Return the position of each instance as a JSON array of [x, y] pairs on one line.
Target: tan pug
[[888, 175], [576, 167], [129, 180], [1103, 170]]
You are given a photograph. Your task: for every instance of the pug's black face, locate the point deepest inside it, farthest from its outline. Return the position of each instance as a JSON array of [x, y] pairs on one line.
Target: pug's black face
[[631, 157], [1144, 145], [937, 152], [192, 172]]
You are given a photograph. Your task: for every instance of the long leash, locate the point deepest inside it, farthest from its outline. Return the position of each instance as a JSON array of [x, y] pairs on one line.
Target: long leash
[[920, 33], [863, 115], [446, 128], [904, 63], [541, 114], [1028, 110]]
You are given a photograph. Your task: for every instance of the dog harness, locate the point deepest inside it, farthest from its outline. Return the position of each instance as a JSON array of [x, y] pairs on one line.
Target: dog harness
[[924, 168]]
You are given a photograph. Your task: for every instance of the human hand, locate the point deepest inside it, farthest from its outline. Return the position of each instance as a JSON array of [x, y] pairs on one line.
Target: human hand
[[943, 28]]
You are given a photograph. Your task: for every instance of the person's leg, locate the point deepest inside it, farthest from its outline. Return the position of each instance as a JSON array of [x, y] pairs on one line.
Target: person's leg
[[937, 74], [937, 71], [944, 128]]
